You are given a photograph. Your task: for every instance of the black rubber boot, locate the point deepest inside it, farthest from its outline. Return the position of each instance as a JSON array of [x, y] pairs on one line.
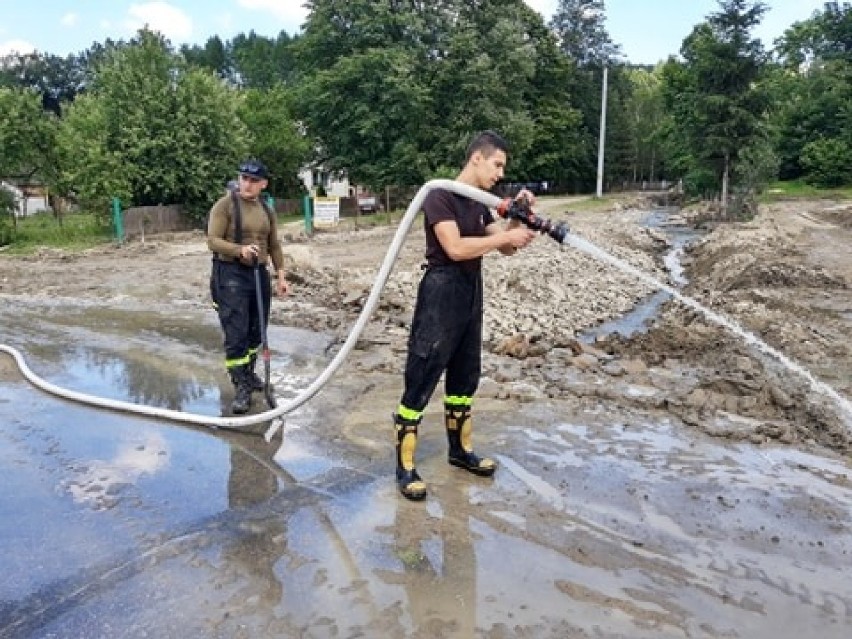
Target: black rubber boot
[[241, 378], [459, 431], [409, 482], [256, 383]]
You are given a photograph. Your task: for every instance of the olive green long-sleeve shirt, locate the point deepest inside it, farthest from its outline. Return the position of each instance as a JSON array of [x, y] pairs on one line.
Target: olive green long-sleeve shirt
[[258, 228]]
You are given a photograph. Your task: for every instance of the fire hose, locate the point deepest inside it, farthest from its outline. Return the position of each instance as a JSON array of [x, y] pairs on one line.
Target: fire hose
[[274, 415]]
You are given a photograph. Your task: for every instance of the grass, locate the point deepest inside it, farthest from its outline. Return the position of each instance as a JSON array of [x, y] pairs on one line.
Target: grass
[[77, 231], [800, 189], [593, 203]]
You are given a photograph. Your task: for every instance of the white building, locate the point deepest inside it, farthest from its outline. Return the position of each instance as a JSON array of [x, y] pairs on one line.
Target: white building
[[335, 185], [27, 201]]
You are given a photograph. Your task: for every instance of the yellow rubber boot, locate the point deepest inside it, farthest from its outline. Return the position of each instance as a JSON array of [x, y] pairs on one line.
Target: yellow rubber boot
[[410, 484], [459, 434]]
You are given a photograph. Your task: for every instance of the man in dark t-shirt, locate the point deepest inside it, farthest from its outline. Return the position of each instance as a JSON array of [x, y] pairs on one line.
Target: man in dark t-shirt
[[446, 330]]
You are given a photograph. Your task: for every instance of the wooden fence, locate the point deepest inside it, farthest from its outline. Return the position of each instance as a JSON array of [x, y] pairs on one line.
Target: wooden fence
[[140, 221]]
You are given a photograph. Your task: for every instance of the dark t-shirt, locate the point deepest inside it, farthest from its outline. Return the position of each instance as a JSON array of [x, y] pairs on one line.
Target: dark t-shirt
[[471, 217]]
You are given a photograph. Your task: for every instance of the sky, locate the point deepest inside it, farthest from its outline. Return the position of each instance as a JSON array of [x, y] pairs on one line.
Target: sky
[[647, 30]]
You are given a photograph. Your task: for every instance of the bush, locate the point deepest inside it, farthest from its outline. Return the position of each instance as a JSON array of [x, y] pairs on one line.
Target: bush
[[827, 162]]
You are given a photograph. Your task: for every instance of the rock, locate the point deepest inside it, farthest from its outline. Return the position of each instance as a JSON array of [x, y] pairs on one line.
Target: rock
[[585, 362], [488, 388], [614, 369], [527, 392], [517, 346], [696, 399], [780, 398], [634, 366]]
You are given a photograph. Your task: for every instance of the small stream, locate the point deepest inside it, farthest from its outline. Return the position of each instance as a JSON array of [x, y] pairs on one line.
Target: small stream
[[643, 314]]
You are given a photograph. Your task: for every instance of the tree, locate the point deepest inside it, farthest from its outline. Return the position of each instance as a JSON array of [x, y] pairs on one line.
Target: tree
[[814, 117], [57, 80], [259, 62], [7, 217], [370, 112], [393, 91], [825, 36], [580, 30], [275, 136], [715, 95], [27, 135], [152, 131], [579, 25], [213, 56], [646, 113], [88, 170]]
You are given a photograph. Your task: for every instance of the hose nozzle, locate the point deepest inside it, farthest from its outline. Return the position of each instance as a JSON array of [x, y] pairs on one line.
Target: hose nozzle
[[520, 210]]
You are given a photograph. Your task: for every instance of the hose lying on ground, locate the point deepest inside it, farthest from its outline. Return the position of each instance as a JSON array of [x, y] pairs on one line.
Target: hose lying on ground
[[274, 415]]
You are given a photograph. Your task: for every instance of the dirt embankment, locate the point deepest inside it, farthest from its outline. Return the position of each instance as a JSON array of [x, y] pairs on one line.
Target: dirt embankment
[[784, 276]]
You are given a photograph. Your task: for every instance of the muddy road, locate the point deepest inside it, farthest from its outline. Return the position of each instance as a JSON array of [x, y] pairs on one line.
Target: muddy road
[[666, 479]]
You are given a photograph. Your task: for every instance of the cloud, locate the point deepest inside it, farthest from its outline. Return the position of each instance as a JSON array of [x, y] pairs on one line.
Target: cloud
[[69, 20], [290, 13], [101, 484], [16, 46], [545, 7], [160, 16]]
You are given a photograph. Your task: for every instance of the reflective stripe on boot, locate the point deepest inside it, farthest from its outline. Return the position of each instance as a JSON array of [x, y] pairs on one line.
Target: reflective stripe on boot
[[407, 479], [459, 435]]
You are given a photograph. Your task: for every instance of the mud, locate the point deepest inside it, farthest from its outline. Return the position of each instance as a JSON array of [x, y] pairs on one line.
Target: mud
[[670, 481]]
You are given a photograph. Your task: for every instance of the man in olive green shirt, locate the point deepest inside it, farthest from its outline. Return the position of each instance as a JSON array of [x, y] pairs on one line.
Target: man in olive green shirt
[[236, 248]]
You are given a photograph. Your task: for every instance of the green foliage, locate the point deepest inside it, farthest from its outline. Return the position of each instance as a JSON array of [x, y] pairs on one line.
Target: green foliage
[[368, 110], [715, 98], [579, 25], [152, 131], [88, 169], [395, 91], [210, 139], [391, 92], [275, 137], [646, 114], [827, 35], [814, 117], [828, 162], [26, 135], [213, 56], [56, 80], [263, 63]]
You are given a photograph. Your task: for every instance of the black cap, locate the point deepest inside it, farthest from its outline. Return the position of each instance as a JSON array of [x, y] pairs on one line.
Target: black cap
[[254, 168]]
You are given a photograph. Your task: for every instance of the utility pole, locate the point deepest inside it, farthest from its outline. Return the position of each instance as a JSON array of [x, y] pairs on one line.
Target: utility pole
[[602, 136]]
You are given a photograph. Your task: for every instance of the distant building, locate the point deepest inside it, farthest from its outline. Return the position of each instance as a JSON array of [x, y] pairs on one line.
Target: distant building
[[335, 184], [29, 199]]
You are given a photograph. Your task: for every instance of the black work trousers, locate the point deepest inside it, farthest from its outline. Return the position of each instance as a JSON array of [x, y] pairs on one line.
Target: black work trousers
[[446, 335], [234, 292]]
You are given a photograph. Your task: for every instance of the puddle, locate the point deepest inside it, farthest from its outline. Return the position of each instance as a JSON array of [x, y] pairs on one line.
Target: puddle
[[598, 523]]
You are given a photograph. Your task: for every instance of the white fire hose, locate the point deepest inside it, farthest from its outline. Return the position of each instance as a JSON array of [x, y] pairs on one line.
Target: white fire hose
[[274, 415]]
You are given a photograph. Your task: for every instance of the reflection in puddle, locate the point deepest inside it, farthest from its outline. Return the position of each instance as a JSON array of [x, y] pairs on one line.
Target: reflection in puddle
[[300, 463], [100, 482]]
